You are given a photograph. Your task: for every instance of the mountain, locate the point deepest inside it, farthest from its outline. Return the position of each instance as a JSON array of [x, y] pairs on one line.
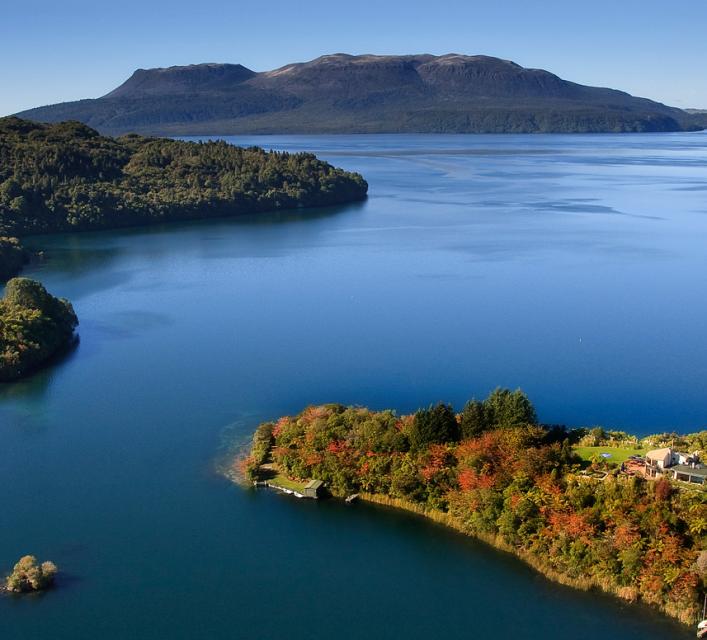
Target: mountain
[[699, 117], [364, 94]]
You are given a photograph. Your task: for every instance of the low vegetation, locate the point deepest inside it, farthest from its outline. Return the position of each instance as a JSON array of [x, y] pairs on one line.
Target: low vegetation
[[34, 326], [609, 455], [66, 176], [493, 472], [28, 576], [281, 481]]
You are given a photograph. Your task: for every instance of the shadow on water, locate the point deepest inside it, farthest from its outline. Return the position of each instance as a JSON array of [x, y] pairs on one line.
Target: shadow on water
[[68, 255], [91, 261], [77, 254], [73, 253], [508, 567], [431, 579], [62, 582], [36, 383]]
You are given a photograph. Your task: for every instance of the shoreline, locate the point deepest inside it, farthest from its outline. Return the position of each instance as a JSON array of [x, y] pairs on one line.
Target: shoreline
[[277, 487], [628, 595], [520, 487], [174, 223]]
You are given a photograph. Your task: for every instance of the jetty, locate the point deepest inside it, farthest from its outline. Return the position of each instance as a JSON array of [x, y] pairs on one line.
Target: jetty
[[273, 478]]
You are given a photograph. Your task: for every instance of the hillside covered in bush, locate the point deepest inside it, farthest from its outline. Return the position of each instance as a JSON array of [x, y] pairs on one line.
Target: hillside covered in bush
[[493, 472], [68, 177]]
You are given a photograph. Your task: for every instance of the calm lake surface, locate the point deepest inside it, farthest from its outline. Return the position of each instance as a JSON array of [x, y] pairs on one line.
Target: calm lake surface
[[571, 266]]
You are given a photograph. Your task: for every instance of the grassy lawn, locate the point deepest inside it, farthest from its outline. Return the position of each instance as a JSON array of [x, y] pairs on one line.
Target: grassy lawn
[[271, 473], [618, 454], [285, 483]]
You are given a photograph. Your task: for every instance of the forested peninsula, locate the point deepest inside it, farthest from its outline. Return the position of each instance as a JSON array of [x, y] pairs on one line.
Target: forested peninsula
[[492, 471], [34, 327], [65, 177]]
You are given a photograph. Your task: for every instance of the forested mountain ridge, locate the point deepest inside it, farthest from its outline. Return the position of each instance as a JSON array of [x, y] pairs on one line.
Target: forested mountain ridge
[[68, 177], [364, 94]]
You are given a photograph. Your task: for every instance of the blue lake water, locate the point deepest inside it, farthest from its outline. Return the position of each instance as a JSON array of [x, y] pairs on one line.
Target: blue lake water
[[571, 266]]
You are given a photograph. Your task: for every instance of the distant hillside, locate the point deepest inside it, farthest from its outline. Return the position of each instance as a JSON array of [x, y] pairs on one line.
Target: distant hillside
[[699, 117], [364, 94], [66, 176]]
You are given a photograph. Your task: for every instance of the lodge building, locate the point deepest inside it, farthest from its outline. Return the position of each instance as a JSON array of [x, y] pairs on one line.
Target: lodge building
[[676, 465]]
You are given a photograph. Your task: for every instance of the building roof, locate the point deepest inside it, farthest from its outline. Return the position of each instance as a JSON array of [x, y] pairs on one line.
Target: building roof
[[700, 471], [314, 484], [659, 454]]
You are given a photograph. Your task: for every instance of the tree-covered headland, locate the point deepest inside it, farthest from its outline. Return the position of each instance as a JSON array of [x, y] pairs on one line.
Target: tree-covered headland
[[34, 327], [66, 176], [493, 472]]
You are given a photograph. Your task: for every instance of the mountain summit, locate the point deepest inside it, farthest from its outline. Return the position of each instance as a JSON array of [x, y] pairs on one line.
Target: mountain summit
[[342, 93], [176, 80]]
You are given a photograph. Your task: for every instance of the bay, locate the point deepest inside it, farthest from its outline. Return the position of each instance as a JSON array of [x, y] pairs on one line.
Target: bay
[[571, 266]]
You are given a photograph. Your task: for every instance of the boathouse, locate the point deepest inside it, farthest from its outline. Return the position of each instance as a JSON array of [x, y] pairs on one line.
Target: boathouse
[[313, 489]]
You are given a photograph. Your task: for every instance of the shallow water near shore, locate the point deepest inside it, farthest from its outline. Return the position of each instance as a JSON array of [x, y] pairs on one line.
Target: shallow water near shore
[[571, 266]]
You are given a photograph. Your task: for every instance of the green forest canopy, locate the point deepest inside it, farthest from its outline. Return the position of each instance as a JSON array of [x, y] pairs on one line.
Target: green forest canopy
[[68, 177], [34, 326]]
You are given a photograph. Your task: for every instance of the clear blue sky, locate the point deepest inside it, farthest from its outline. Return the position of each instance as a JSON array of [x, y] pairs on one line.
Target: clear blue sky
[[58, 50]]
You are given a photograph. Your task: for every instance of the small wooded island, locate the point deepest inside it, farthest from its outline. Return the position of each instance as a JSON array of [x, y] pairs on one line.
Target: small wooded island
[[28, 576], [65, 177], [547, 494], [34, 327]]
